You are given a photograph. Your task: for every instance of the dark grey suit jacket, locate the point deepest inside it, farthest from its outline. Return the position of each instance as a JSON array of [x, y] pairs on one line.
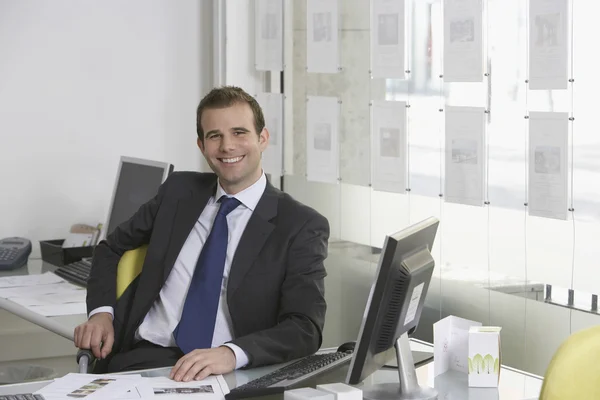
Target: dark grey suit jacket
[[275, 291]]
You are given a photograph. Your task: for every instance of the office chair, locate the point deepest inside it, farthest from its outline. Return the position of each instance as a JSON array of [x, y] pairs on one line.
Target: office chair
[[574, 370], [130, 266]]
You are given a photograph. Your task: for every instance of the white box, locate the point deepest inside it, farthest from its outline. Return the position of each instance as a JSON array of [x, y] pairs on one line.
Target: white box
[[485, 356], [341, 391], [307, 394]]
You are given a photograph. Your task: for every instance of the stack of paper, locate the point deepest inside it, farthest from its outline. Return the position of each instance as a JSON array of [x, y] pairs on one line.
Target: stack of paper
[[124, 387], [46, 294]]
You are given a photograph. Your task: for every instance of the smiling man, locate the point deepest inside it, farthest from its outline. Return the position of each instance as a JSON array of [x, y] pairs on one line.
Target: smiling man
[[233, 275]]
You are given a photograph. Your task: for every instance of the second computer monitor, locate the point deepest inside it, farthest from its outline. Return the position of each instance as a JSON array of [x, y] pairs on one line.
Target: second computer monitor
[[396, 299], [137, 182]]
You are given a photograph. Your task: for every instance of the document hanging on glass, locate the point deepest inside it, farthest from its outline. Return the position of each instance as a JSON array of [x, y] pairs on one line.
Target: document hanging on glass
[[548, 179], [465, 156], [268, 36], [463, 41], [387, 38], [548, 44], [322, 36], [388, 146], [272, 157], [322, 147]]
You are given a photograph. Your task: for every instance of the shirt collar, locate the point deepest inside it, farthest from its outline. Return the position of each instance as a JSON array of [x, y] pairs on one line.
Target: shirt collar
[[250, 196]]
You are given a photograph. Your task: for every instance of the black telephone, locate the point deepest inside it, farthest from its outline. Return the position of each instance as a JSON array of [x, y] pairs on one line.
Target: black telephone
[[14, 252]]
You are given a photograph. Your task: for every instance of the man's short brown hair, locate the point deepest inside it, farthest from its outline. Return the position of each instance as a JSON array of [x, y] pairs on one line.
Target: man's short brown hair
[[226, 96]]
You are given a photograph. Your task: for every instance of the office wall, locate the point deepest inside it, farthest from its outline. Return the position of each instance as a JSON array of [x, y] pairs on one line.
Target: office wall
[[84, 82]]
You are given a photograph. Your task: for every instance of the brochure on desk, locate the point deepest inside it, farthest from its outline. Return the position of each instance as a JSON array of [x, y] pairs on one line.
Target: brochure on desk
[[128, 387], [451, 344]]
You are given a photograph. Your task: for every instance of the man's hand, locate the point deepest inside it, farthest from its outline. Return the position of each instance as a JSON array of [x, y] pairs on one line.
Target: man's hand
[[97, 334], [201, 363]]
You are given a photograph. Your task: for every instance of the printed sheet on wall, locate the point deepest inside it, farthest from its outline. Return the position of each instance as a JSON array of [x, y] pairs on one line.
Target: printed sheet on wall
[[272, 105], [322, 123], [463, 41], [322, 42], [387, 39], [548, 179], [465, 155], [548, 44], [268, 36], [388, 146]]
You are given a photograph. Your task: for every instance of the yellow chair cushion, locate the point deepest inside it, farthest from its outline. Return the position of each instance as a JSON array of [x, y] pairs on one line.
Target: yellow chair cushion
[[129, 268], [574, 372]]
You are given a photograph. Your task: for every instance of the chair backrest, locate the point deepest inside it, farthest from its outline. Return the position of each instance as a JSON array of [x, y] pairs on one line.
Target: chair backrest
[[129, 268], [574, 370]]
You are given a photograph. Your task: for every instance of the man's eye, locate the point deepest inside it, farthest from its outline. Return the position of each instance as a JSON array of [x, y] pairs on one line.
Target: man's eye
[[239, 132]]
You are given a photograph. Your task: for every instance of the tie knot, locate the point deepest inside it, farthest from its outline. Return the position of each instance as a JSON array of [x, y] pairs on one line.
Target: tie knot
[[228, 204]]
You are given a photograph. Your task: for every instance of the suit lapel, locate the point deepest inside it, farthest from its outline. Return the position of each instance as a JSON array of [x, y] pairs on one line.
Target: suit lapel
[[187, 213], [186, 216], [254, 237]]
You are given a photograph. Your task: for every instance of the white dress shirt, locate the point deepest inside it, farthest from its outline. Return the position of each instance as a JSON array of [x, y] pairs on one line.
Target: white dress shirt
[[163, 317]]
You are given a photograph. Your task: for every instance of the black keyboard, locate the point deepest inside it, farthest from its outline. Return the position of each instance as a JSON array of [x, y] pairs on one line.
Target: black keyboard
[[290, 376], [77, 272], [24, 396]]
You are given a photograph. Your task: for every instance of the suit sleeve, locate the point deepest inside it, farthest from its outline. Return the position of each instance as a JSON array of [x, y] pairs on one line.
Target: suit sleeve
[[302, 307], [131, 234]]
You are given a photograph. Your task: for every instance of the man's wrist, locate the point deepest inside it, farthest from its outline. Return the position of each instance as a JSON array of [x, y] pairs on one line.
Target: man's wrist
[[241, 358], [105, 309]]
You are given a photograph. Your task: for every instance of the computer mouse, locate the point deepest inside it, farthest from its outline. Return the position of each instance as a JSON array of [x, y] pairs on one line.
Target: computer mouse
[[348, 346]]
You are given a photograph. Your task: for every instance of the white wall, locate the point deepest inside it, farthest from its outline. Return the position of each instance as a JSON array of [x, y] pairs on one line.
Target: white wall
[[84, 82]]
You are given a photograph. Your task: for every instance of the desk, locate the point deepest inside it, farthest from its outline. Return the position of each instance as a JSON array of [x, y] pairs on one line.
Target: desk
[[514, 385], [61, 325]]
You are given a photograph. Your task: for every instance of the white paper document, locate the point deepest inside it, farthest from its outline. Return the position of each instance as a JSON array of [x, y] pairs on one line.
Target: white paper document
[[548, 44], [212, 388], [387, 39], [322, 41], [57, 289], [53, 310], [49, 300], [388, 146], [73, 296], [91, 387], [451, 344], [272, 157], [268, 43], [465, 166], [30, 280], [322, 114], [463, 41], [548, 180]]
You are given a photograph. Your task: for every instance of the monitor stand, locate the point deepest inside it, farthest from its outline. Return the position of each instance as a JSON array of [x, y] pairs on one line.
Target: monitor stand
[[408, 388]]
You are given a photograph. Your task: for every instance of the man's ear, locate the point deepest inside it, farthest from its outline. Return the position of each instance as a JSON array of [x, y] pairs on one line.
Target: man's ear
[[263, 139], [200, 145]]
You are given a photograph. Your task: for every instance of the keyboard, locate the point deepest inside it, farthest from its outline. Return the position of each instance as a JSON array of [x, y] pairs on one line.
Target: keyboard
[[77, 272], [24, 396], [291, 375]]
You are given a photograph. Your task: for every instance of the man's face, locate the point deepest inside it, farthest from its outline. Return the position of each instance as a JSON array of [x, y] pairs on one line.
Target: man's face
[[232, 146]]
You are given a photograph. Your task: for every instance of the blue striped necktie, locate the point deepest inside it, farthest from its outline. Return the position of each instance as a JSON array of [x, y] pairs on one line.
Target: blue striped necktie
[[197, 324]]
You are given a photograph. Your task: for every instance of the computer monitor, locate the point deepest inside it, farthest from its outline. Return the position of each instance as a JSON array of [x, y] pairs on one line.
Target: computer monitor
[[137, 182], [393, 311]]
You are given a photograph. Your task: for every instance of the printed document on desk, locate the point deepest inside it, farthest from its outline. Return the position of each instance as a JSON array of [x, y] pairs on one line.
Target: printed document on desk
[[212, 388], [53, 299], [93, 387], [30, 280]]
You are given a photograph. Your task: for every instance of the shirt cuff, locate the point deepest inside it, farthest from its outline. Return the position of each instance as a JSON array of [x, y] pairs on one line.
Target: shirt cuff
[[241, 358], [107, 309]]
